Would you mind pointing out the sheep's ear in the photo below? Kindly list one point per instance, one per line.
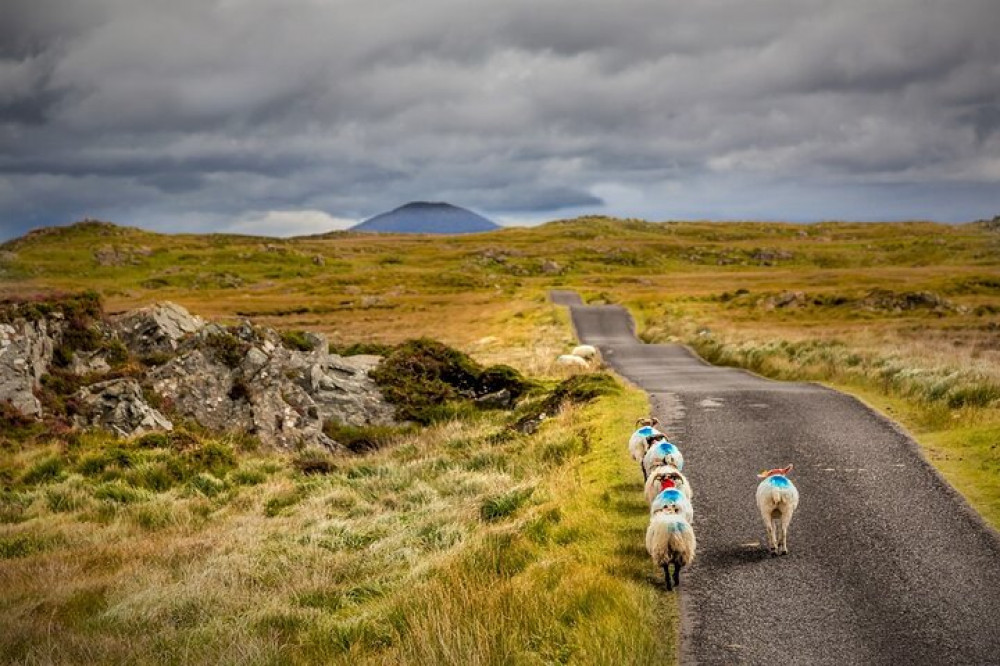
(763, 475)
(788, 469)
(655, 421)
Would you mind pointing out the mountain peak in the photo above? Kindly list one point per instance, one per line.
(428, 217)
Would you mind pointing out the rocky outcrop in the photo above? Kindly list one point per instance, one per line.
(282, 395)
(225, 378)
(118, 405)
(159, 328)
(26, 349)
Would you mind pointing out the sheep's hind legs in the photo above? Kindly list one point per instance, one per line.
(666, 576)
(677, 574)
(772, 539)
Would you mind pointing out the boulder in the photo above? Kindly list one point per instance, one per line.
(119, 405)
(159, 328)
(200, 387)
(26, 349)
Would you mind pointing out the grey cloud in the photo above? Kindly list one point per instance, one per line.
(207, 111)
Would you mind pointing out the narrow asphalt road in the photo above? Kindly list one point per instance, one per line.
(887, 563)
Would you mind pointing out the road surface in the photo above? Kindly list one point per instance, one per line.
(887, 563)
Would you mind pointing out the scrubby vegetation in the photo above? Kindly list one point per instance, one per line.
(428, 381)
(457, 543)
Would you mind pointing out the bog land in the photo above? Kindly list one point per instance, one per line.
(460, 542)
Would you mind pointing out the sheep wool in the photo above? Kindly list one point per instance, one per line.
(670, 540)
(638, 444)
(662, 453)
(659, 477)
(586, 351)
(571, 361)
(673, 500)
(777, 499)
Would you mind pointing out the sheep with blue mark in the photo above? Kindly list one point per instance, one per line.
(661, 452)
(777, 499)
(638, 443)
(670, 540)
(670, 495)
(660, 479)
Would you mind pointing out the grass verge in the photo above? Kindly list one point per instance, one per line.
(462, 543)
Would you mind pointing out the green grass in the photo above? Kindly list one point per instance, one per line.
(464, 542)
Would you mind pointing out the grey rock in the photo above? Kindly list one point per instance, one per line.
(119, 405)
(159, 328)
(88, 362)
(25, 353)
(501, 399)
(199, 387)
(550, 267)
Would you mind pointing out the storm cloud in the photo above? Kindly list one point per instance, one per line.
(284, 117)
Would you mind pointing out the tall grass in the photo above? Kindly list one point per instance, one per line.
(462, 543)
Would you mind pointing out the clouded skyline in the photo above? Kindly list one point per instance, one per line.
(300, 116)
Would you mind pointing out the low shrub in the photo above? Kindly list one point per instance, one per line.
(421, 376)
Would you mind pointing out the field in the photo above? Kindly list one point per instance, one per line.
(462, 543)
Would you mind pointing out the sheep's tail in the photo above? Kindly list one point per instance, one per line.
(776, 495)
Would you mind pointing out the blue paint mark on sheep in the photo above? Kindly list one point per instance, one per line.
(677, 526)
(646, 431)
(779, 481)
(669, 496)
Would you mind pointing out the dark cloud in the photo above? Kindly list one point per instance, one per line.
(236, 113)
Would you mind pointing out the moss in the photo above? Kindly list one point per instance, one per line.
(297, 340)
(359, 348)
(227, 349)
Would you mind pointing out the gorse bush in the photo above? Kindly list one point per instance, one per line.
(421, 376)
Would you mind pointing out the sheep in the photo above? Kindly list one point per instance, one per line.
(777, 498)
(670, 540)
(637, 443)
(588, 352)
(658, 478)
(571, 361)
(661, 452)
(670, 495)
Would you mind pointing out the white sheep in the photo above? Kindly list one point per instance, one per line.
(571, 361)
(659, 478)
(670, 540)
(673, 499)
(638, 443)
(589, 352)
(661, 452)
(777, 498)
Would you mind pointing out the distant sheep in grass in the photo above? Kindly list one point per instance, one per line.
(571, 361)
(638, 443)
(670, 540)
(777, 498)
(673, 500)
(589, 352)
(661, 452)
(658, 478)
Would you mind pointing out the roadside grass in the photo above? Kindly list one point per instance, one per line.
(463, 542)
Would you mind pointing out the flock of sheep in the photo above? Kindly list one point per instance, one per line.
(670, 538)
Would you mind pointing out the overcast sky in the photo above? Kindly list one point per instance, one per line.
(303, 115)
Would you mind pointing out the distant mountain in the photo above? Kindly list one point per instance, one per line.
(424, 217)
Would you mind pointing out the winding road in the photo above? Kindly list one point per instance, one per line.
(887, 563)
